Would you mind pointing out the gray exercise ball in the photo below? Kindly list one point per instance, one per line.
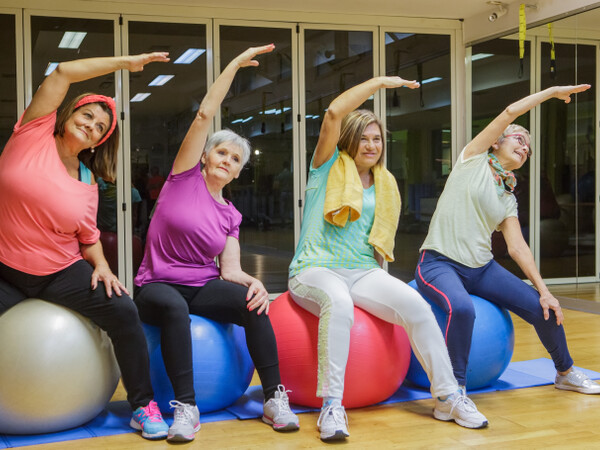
(57, 369)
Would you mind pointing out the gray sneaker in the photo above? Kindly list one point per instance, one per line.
(186, 422)
(461, 409)
(576, 381)
(277, 412)
(333, 423)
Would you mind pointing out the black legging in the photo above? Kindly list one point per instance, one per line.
(169, 306)
(117, 316)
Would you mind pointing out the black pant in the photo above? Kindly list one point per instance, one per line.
(117, 316)
(168, 306)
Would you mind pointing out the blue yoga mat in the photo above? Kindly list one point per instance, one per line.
(115, 418)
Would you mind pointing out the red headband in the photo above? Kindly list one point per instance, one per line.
(111, 104)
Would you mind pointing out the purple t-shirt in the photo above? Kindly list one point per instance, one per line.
(188, 230)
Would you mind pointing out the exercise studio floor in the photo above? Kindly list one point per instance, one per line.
(538, 417)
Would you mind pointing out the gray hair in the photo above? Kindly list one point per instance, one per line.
(227, 135)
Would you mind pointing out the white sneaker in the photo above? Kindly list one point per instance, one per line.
(576, 381)
(461, 409)
(277, 412)
(186, 422)
(333, 423)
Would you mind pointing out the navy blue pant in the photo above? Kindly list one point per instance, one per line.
(448, 284)
(117, 316)
(168, 306)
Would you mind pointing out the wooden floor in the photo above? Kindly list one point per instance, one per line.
(541, 417)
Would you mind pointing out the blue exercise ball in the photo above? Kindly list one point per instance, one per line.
(223, 368)
(492, 344)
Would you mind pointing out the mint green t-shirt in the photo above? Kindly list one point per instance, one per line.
(324, 245)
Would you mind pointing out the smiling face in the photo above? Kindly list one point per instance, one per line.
(513, 148)
(370, 148)
(87, 125)
(222, 163)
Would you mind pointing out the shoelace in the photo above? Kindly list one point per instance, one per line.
(182, 411)
(465, 401)
(152, 412)
(337, 412)
(283, 400)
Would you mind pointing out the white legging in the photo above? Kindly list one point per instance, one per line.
(331, 294)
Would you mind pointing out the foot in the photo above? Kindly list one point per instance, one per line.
(461, 409)
(576, 381)
(149, 421)
(186, 422)
(333, 423)
(277, 412)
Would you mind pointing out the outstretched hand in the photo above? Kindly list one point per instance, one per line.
(564, 92)
(246, 58)
(136, 63)
(395, 82)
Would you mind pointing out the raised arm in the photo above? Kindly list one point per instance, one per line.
(193, 144)
(344, 104)
(483, 141)
(54, 88)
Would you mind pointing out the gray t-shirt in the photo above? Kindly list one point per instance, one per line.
(467, 213)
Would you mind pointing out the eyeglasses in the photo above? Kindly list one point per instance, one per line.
(521, 141)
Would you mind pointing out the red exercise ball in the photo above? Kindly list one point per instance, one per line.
(377, 364)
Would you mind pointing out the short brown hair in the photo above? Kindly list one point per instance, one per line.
(103, 161)
(353, 127)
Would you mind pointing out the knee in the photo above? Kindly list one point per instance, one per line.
(463, 312)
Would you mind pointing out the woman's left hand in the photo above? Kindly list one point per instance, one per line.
(257, 297)
(111, 283)
(549, 302)
(136, 63)
(247, 58)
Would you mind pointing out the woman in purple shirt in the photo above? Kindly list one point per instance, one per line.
(192, 226)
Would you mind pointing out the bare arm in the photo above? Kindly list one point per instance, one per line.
(54, 88)
(343, 105)
(193, 144)
(482, 142)
(94, 254)
(519, 251)
(231, 270)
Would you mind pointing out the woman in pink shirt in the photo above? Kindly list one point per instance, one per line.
(49, 246)
(191, 227)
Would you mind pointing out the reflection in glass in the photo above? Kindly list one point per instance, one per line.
(259, 107)
(496, 84)
(160, 121)
(8, 74)
(568, 179)
(335, 60)
(419, 136)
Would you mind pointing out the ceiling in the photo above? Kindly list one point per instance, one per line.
(449, 9)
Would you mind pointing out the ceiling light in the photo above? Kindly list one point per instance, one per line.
(431, 80)
(50, 68)
(160, 80)
(140, 97)
(189, 56)
(72, 39)
(479, 56)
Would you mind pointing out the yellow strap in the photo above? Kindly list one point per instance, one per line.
(552, 53)
(522, 30)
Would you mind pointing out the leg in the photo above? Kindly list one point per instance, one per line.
(501, 287)
(162, 305)
(438, 280)
(388, 298)
(323, 293)
(9, 295)
(226, 302)
(117, 316)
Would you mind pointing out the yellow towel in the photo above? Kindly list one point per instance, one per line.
(343, 202)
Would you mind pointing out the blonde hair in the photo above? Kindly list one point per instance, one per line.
(353, 127)
(103, 160)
